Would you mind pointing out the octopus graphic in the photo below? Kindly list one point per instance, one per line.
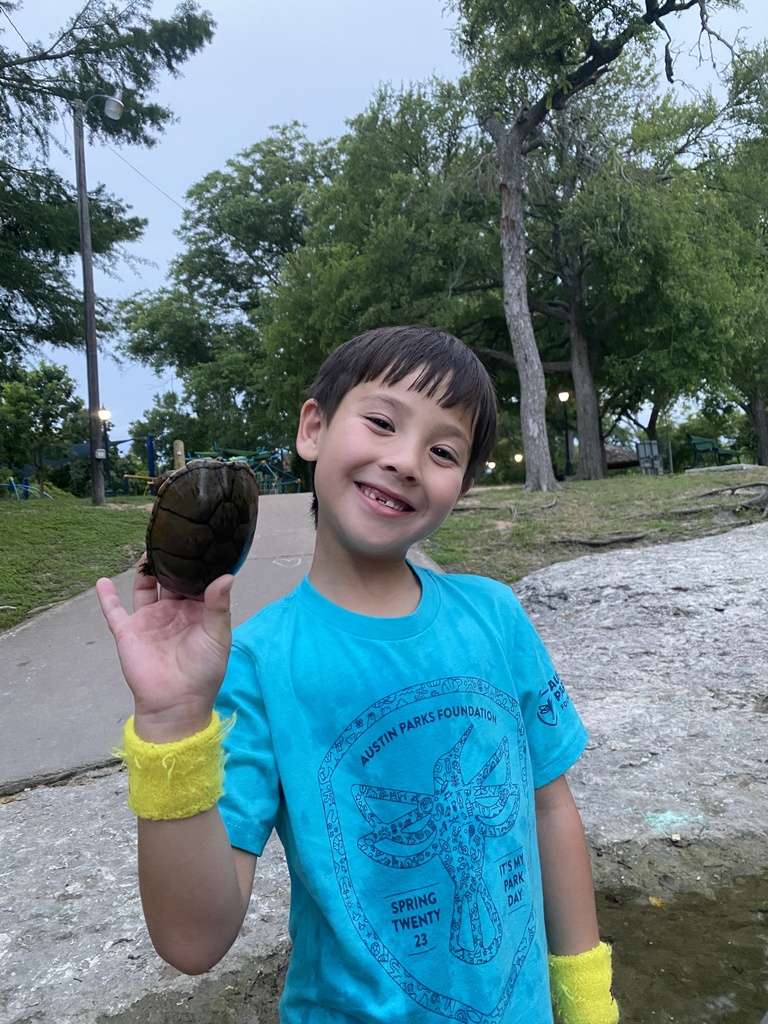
(453, 824)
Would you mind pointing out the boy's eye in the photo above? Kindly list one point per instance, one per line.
(444, 453)
(380, 422)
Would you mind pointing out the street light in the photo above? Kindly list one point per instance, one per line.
(102, 452)
(113, 108)
(564, 396)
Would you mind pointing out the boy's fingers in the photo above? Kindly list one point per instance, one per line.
(111, 608)
(216, 609)
(144, 587)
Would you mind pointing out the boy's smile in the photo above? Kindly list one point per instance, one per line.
(389, 466)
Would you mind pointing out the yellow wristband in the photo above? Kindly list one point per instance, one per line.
(167, 781)
(581, 987)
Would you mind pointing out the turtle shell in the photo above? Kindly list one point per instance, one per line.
(202, 524)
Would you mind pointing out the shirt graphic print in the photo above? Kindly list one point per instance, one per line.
(427, 802)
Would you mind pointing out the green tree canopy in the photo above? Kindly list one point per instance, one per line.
(206, 324)
(103, 47)
(403, 233)
(34, 409)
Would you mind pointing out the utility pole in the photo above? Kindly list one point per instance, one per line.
(89, 303)
(113, 108)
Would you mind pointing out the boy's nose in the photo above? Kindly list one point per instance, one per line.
(404, 462)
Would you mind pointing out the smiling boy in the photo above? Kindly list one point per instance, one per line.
(404, 732)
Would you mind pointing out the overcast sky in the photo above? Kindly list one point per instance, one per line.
(315, 61)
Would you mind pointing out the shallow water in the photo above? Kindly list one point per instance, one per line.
(687, 958)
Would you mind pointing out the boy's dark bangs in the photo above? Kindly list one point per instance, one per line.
(437, 377)
(447, 365)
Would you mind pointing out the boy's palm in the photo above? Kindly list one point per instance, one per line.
(173, 650)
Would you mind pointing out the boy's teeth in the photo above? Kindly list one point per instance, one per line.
(384, 501)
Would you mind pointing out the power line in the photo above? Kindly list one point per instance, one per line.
(21, 37)
(142, 175)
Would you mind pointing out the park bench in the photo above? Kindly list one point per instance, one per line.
(704, 445)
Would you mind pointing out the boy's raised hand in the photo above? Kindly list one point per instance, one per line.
(173, 651)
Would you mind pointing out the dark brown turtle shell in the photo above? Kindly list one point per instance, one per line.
(202, 524)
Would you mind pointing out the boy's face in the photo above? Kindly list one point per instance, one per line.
(389, 467)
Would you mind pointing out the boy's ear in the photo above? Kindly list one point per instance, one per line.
(311, 421)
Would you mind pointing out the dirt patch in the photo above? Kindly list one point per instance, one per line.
(667, 866)
(247, 996)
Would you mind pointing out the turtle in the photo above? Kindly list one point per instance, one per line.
(202, 524)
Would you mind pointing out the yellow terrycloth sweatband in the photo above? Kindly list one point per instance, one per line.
(581, 987)
(167, 781)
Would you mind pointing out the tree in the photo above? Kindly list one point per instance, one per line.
(239, 224)
(38, 241)
(34, 409)
(528, 60)
(600, 194)
(402, 232)
(206, 324)
(739, 178)
(104, 46)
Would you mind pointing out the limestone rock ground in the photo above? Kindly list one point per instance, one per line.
(663, 649)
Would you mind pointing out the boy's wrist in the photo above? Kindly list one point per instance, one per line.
(175, 779)
(581, 987)
(172, 724)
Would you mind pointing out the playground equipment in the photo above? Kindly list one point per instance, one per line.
(270, 467)
(22, 491)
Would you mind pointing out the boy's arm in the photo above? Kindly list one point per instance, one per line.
(569, 900)
(580, 965)
(194, 889)
(174, 653)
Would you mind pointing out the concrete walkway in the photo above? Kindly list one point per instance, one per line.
(62, 694)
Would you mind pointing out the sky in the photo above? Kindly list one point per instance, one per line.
(315, 61)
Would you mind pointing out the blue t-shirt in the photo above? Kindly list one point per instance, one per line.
(397, 759)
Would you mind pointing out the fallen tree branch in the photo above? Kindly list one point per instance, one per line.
(604, 542)
(694, 510)
(486, 508)
(733, 490)
(760, 501)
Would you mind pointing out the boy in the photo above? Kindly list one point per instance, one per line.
(406, 735)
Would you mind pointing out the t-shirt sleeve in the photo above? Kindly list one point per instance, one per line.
(555, 733)
(251, 785)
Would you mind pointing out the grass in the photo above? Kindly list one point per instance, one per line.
(52, 550)
(507, 533)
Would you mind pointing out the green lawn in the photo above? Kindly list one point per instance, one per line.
(507, 533)
(55, 549)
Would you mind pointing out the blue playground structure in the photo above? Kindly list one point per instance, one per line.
(22, 491)
(270, 467)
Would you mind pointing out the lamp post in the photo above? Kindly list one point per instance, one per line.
(564, 396)
(104, 415)
(113, 107)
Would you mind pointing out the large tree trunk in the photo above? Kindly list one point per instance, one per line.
(758, 417)
(592, 463)
(539, 474)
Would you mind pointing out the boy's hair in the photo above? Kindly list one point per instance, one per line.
(448, 367)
